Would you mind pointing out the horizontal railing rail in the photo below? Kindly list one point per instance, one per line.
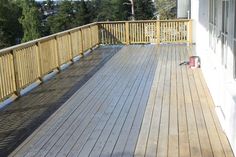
(148, 31)
(23, 64)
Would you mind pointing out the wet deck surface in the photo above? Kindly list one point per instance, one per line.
(140, 103)
(22, 117)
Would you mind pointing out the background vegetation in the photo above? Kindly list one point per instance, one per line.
(24, 20)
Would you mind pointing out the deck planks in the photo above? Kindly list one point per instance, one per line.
(141, 103)
(19, 119)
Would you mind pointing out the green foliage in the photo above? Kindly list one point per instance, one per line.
(82, 16)
(106, 10)
(49, 5)
(111, 10)
(30, 20)
(164, 8)
(26, 17)
(64, 19)
(122, 10)
(144, 9)
(10, 28)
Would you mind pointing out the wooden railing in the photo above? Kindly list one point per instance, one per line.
(24, 64)
(132, 32)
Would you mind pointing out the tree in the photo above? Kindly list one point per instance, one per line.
(64, 19)
(165, 9)
(10, 28)
(82, 14)
(144, 9)
(49, 5)
(122, 10)
(30, 20)
(105, 10)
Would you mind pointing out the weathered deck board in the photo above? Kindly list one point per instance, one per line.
(141, 103)
(22, 117)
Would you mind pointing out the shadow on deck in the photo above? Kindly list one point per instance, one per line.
(22, 117)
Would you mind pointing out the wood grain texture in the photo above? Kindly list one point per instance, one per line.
(22, 117)
(141, 103)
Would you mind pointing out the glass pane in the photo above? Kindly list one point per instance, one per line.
(214, 11)
(225, 16)
(211, 11)
(235, 19)
(235, 59)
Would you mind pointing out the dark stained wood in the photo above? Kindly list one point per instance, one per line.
(22, 117)
(141, 103)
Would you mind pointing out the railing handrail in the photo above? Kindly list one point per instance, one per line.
(23, 64)
(140, 21)
(32, 42)
(18, 46)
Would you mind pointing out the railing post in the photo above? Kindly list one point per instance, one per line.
(39, 59)
(16, 74)
(98, 34)
(58, 53)
(158, 25)
(190, 31)
(127, 33)
(81, 41)
(71, 47)
(91, 36)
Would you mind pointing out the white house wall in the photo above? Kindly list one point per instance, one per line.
(219, 76)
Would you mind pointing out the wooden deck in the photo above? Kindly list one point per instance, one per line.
(141, 103)
(19, 119)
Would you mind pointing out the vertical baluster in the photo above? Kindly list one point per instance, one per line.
(190, 32)
(127, 33)
(158, 31)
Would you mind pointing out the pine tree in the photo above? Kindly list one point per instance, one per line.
(64, 19)
(122, 10)
(144, 9)
(82, 15)
(103, 10)
(10, 28)
(106, 10)
(164, 9)
(30, 20)
(49, 5)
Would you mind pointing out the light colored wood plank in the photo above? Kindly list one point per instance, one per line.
(205, 144)
(114, 134)
(214, 137)
(162, 149)
(144, 75)
(140, 103)
(74, 120)
(195, 149)
(97, 128)
(184, 148)
(152, 116)
(173, 146)
(106, 73)
(224, 141)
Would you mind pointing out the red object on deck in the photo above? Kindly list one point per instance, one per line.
(194, 62)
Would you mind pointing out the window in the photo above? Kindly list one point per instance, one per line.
(234, 40)
(225, 16)
(234, 20)
(213, 24)
(211, 11)
(215, 12)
